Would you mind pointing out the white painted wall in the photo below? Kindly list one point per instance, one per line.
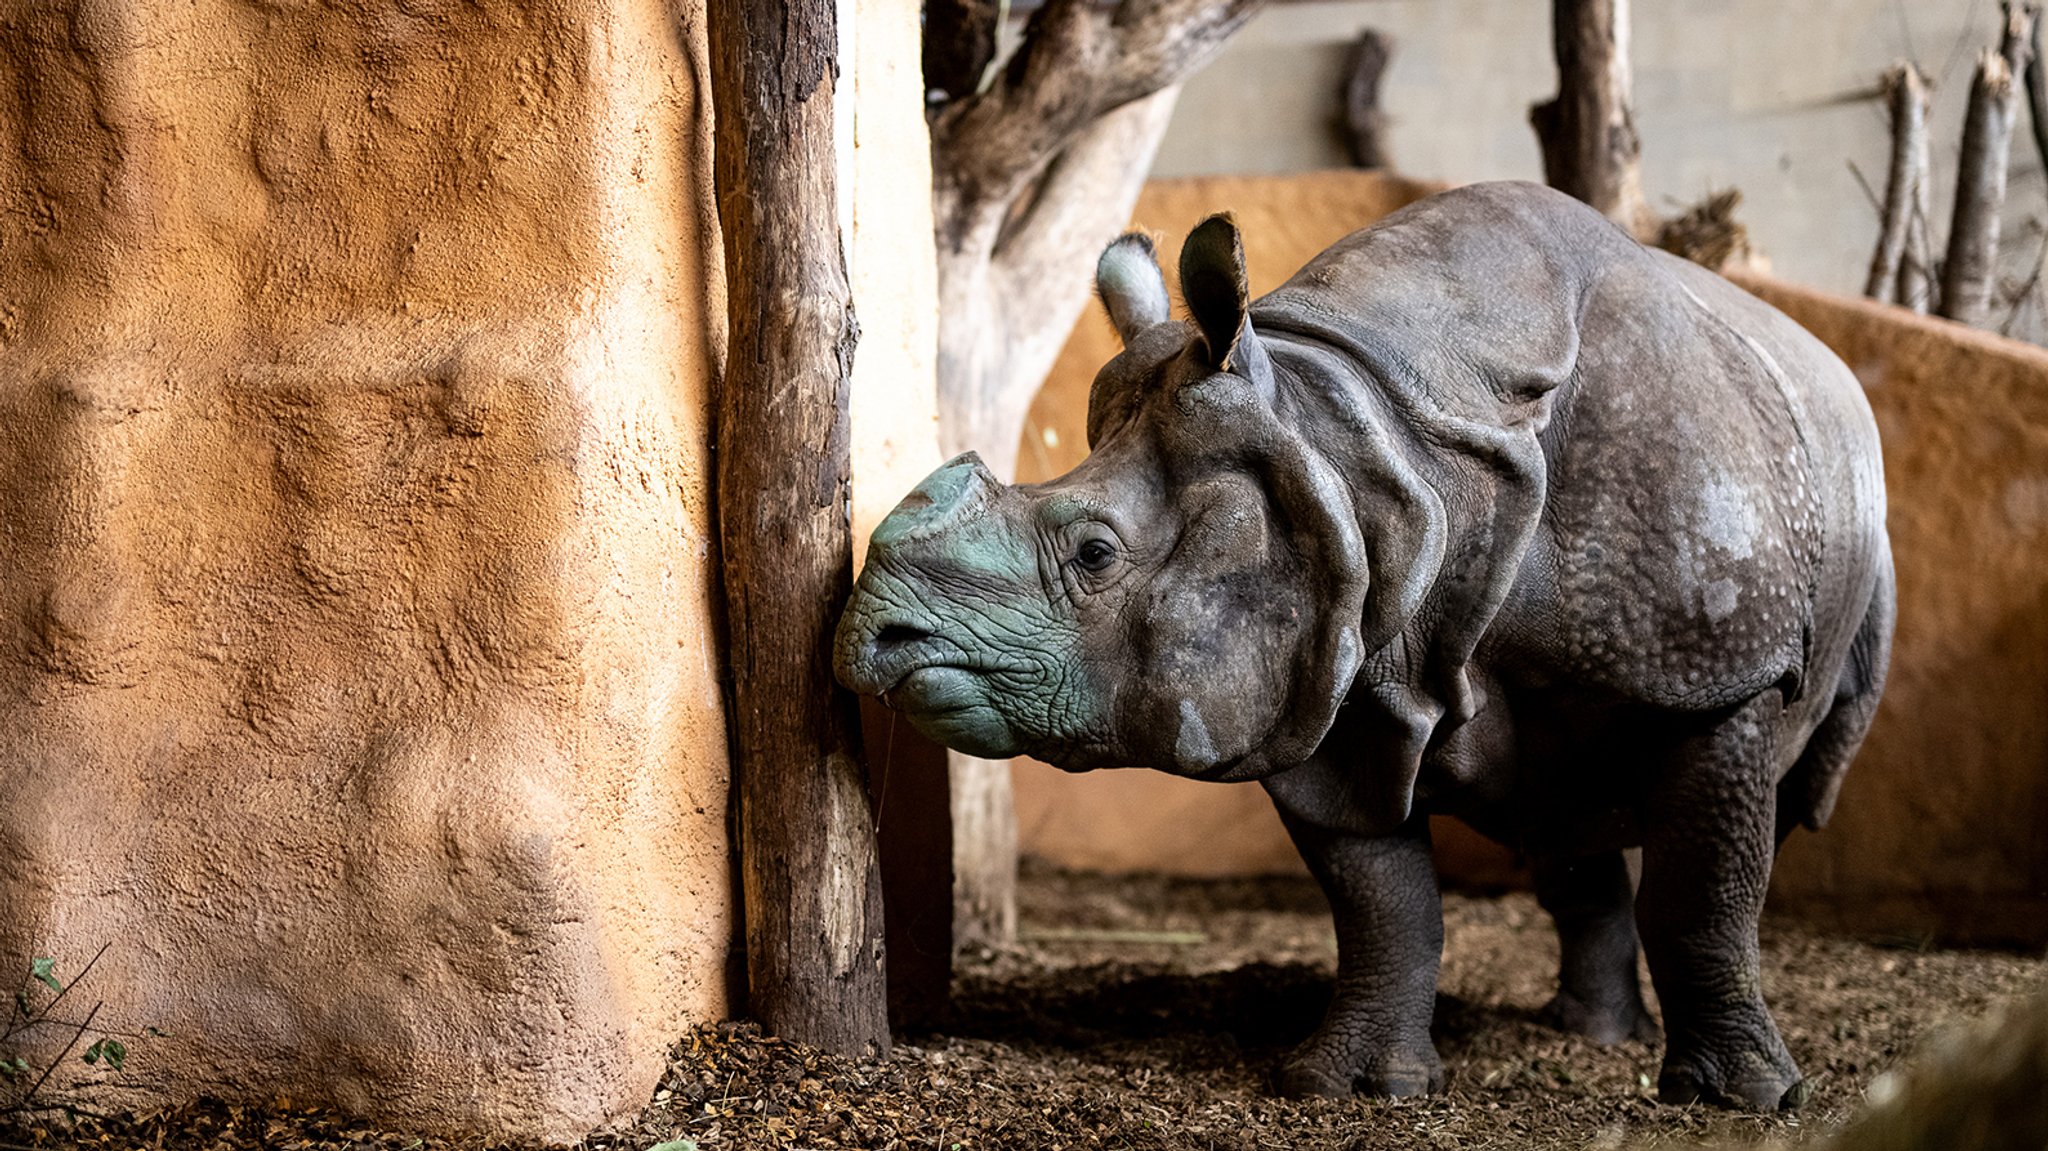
(1748, 93)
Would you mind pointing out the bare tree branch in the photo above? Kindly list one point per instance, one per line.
(1078, 61)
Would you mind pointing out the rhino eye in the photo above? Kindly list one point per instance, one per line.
(1095, 555)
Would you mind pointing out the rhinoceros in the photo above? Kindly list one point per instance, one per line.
(1488, 511)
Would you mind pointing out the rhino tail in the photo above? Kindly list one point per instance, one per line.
(1807, 793)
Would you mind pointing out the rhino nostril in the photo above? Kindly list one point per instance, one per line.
(898, 635)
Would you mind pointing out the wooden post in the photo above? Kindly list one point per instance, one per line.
(1588, 132)
(1361, 121)
(1906, 93)
(1969, 273)
(811, 882)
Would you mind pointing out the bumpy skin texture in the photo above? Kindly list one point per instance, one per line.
(1488, 511)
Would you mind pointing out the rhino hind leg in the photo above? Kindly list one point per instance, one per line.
(1706, 862)
(1806, 796)
(1374, 1040)
(1592, 901)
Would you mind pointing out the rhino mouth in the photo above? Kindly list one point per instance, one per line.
(888, 658)
(936, 689)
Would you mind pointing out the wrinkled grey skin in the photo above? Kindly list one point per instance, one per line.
(1489, 511)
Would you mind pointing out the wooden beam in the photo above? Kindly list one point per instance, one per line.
(811, 882)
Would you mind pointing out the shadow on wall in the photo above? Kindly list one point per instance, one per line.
(1937, 831)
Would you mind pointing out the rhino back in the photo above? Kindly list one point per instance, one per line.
(1674, 490)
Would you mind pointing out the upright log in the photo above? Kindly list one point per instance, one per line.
(1968, 274)
(810, 878)
(1906, 95)
(1588, 131)
(1362, 123)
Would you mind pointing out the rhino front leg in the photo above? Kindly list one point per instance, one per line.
(1592, 902)
(1706, 862)
(1390, 938)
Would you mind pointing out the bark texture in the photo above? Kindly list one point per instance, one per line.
(2037, 88)
(1906, 96)
(1363, 124)
(1588, 131)
(1033, 175)
(1034, 172)
(810, 876)
(1969, 273)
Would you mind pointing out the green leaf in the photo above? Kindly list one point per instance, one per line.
(45, 970)
(13, 1067)
(92, 1054)
(115, 1051)
(674, 1145)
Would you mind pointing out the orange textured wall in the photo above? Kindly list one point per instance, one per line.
(1939, 828)
(358, 676)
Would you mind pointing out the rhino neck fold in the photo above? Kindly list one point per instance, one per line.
(1403, 427)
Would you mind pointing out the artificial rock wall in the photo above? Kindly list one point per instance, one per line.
(358, 673)
(1938, 830)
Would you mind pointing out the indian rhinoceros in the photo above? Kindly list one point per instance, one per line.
(1488, 511)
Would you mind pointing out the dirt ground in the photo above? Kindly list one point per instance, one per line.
(1149, 1013)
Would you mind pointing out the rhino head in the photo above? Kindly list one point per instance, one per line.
(1192, 597)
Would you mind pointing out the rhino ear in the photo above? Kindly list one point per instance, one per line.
(1213, 282)
(1133, 289)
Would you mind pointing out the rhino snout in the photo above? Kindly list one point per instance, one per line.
(876, 649)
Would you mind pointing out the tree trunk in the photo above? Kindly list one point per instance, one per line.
(1001, 326)
(1906, 93)
(811, 884)
(1588, 132)
(1009, 296)
(1969, 273)
(1033, 173)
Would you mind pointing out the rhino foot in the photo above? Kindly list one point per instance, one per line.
(1605, 1024)
(1775, 1090)
(1306, 1074)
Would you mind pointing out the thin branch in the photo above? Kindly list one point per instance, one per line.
(76, 980)
(1869, 193)
(61, 1056)
(2027, 290)
(2037, 94)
